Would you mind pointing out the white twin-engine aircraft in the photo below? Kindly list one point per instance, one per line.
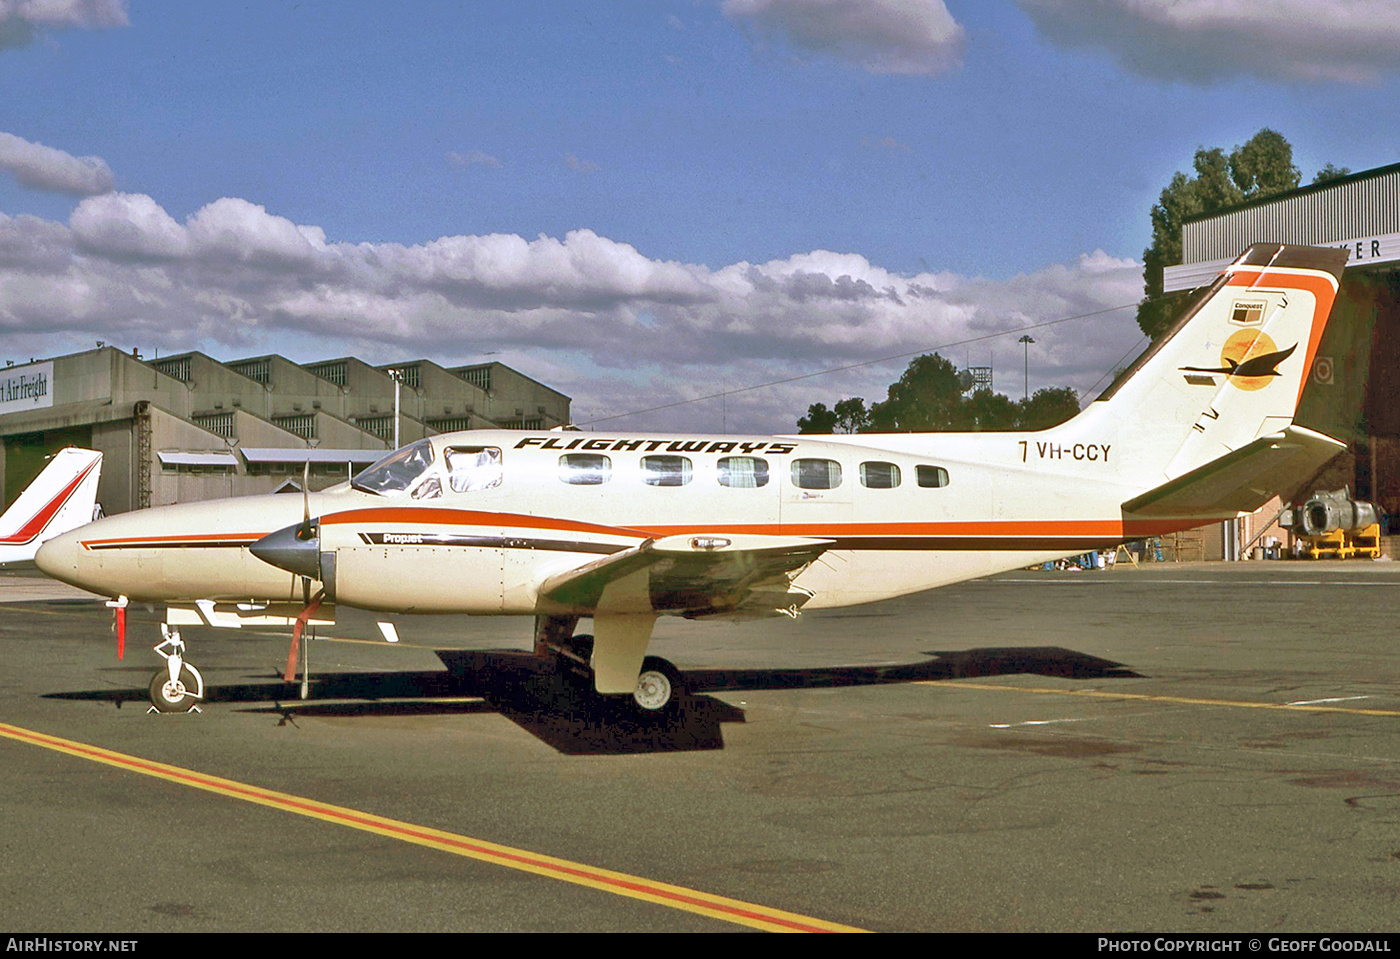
(625, 527)
(62, 497)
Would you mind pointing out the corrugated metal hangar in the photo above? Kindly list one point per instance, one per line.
(188, 427)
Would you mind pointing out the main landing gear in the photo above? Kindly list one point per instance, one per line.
(178, 687)
(659, 686)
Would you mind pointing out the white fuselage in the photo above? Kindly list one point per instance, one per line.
(906, 512)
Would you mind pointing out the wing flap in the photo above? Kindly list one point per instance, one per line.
(1240, 481)
(691, 575)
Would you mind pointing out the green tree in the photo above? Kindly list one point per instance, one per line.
(929, 397)
(819, 419)
(1330, 172)
(1046, 408)
(1262, 166)
(985, 410)
(851, 415)
(926, 397)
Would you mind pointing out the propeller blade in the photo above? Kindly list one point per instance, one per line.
(290, 673)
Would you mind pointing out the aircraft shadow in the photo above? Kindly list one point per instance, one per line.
(556, 705)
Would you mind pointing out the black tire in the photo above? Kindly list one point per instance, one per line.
(659, 687)
(173, 700)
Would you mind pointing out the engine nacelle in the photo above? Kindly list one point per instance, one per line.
(1327, 512)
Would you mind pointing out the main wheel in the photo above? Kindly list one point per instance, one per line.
(176, 697)
(658, 686)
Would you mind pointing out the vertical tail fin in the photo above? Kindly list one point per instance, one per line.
(62, 497)
(1230, 370)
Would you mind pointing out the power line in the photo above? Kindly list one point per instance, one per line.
(856, 366)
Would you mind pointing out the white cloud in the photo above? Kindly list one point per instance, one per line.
(125, 225)
(244, 231)
(636, 331)
(1202, 41)
(880, 36)
(21, 20)
(45, 168)
(472, 158)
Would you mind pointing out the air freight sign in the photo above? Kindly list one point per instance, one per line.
(26, 388)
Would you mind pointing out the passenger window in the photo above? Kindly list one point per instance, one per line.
(743, 472)
(931, 476)
(585, 469)
(879, 475)
(471, 468)
(666, 470)
(816, 474)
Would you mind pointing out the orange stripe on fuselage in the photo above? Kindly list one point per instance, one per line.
(194, 538)
(436, 516)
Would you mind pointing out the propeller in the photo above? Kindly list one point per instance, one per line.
(304, 533)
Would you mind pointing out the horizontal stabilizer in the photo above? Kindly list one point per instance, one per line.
(1243, 480)
(692, 575)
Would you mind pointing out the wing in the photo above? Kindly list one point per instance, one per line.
(690, 575)
(1243, 480)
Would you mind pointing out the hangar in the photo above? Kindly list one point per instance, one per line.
(1361, 213)
(188, 427)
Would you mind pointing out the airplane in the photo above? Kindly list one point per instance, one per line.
(62, 497)
(624, 527)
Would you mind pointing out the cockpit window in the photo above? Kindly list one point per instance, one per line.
(430, 488)
(471, 468)
(397, 471)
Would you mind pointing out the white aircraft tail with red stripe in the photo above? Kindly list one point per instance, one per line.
(1229, 372)
(61, 498)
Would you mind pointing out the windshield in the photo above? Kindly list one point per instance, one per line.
(397, 471)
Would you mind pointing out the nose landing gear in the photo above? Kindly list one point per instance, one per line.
(176, 688)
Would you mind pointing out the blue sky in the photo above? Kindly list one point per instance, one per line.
(640, 202)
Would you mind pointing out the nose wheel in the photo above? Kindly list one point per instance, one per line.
(177, 687)
(175, 695)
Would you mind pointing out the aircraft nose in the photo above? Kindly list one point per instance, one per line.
(297, 549)
(58, 558)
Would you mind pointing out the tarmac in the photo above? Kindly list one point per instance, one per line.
(1186, 748)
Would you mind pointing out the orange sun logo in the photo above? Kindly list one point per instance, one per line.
(1246, 345)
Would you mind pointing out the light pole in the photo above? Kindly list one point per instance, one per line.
(397, 377)
(1026, 342)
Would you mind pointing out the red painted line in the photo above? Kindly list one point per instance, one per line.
(547, 866)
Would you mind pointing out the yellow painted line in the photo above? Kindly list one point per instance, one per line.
(1143, 697)
(617, 883)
